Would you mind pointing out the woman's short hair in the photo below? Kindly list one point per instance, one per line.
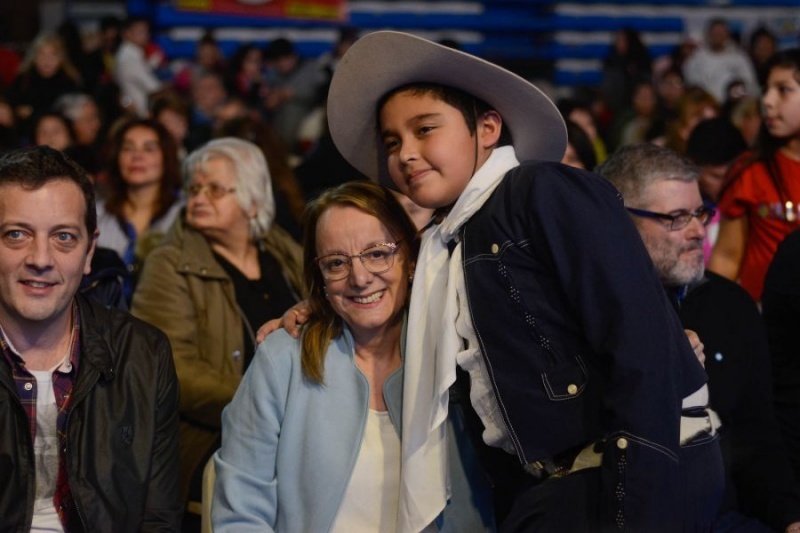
(324, 324)
(250, 171)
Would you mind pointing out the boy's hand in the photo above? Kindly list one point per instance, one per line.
(296, 316)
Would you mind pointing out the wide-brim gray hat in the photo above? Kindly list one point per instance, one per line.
(385, 60)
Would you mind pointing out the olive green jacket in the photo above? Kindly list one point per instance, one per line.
(186, 293)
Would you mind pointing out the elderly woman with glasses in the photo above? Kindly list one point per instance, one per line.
(222, 269)
(311, 441)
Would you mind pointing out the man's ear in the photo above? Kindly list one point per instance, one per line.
(87, 266)
(490, 125)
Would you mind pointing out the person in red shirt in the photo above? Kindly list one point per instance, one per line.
(760, 202)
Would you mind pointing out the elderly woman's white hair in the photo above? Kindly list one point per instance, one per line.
(250, 173)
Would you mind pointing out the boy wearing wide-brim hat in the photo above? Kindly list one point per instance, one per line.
(533, 281)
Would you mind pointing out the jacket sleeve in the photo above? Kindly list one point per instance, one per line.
(162, 298)
(163, 506)
(246, 488)
(611, 290)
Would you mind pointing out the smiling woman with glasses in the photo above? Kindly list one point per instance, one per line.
(311, 441)
(224, 269)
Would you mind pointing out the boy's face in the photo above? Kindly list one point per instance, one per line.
(431, 153)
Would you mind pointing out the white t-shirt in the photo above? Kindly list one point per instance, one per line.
(45, 447)
(373, 492)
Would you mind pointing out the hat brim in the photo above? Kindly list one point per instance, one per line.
(385, 60)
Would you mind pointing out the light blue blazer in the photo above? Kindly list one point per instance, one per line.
(289, 446)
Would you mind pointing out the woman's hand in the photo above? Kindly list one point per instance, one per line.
(697, 346)
(296, 316)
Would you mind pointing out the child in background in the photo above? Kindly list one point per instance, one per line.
(760, 200)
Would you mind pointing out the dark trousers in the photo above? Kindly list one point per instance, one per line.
(565, 504)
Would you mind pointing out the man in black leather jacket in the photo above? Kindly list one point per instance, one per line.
(88, 394)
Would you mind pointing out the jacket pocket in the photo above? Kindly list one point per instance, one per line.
(566, 380)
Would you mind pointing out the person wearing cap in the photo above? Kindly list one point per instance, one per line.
(533, 297)
(713, 145)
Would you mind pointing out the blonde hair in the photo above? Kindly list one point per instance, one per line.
(54, 40)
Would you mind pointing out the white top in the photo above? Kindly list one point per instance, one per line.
(370, 500)
(113, 236)
(714, 70)
(135, 76)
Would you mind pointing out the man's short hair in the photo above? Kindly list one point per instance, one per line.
(33, 168)
(634, 168)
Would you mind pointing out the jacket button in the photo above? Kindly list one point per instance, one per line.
(28, 386)
(204, 271)
(495, 248)
(572, 389)
(237, 354)
(622, 443)
(186, 267)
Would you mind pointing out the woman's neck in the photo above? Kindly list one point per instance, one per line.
(239, 251)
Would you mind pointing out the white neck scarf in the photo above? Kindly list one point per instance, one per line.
(430, 356)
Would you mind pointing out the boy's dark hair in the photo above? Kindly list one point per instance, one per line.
(33, 168)
(470, 107)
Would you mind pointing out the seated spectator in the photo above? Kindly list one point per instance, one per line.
(642, 122)
(208, 94)
(695, 105)
(580, 152)
(223, 270)
(53, 130)
(245, 79)
(746, 116)
(661, 192)
(713, 145)
(45, 74)
(294, 89)
(311, 440)
(84, 118)
(169, 110)
(208, 58)
(627, 64)
(581, 114)
(143, 198)
(719, 61)
(763, 44)
(9, 139)
(134, 75)
(89, 417)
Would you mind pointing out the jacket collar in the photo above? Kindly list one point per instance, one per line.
(95, 333)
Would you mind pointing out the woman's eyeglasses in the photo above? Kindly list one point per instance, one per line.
(213, 190)
(376, 259)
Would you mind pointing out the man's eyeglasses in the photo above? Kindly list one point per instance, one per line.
(214, 190)
(376, 259)
(679, 221)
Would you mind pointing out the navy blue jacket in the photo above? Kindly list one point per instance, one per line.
(579, 337)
